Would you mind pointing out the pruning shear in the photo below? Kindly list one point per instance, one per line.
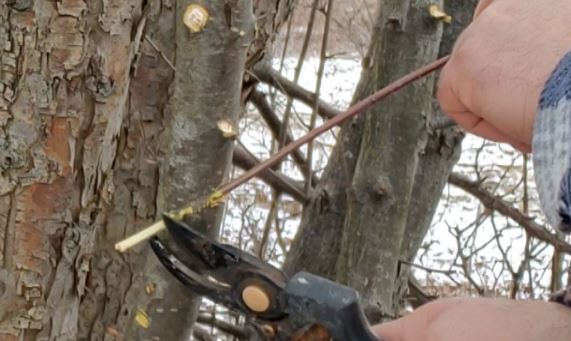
(304, 307)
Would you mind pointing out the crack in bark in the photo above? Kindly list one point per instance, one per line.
(9, 233)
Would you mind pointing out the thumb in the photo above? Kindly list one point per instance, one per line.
(416, 325)
(413, 326)
(391, 331)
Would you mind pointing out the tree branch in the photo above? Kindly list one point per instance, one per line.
(417, 296)
(320, 71)
(495, 203)
(273, 78)
(245, 160)
(259, 100)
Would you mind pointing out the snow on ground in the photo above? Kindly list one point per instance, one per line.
(458, 212)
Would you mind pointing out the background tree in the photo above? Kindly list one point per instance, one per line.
(364, 214)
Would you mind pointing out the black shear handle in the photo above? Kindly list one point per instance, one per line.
(316, 301)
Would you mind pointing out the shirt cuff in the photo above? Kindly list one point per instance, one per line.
(551, 146)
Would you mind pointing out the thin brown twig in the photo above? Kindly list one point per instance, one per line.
(353, 111)
(297, 72)
(166, 59)
(268, 225)
(245, 160)
(320, 71)
(284, 54)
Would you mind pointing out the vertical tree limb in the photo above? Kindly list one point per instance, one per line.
(207, 88)
(297, 73)
(438, 156)
(320, 70)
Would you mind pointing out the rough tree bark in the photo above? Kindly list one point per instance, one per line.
(382, 188)
(84, 88)
(72, 138)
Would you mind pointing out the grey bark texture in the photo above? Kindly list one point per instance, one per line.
(85, 122)
(207, 88)
(439, 156)
(385, 176)
(393, 136)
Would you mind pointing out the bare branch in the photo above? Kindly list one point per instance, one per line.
(273, 78)
(495, 203)
(268, 225)
(417, 296)
(202, 334)
(321, 69)
(429, 270)
(259, 100)
(297, 73)
(353, 111)
(245, 160)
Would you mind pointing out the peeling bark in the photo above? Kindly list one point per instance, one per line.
(65, 78)
(85, 123)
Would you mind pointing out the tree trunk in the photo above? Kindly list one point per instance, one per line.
(419, 165)
(71, 137)
(439, 156)
(207, 85)
(394, 133)
(84, 126)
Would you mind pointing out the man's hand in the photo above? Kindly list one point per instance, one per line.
(481, 320)
(492, 83)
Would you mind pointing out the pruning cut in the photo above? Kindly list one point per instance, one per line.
(195, 17)
(439, 14)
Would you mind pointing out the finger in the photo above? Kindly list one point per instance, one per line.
(413, 326)
(482, 5)
(390, 331)
(449, 100)
(459, 111)
(487, 131)
(480, 127)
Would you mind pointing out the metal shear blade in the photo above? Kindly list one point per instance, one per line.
(217, 271)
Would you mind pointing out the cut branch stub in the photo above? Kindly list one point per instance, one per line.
(195, 17)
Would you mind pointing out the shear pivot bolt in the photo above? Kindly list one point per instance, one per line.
(256, 299)
(269, 330)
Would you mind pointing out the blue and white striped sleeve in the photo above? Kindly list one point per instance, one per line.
(552, 147)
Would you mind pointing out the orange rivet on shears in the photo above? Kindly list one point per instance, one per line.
(256, 299)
